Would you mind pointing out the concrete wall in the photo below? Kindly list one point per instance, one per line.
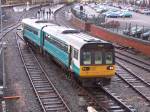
(104, 34)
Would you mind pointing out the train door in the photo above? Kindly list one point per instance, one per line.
(70, 56)
(42, 38)
(74, 59)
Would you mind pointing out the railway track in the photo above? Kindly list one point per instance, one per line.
(101, 96)
(103, 100)
(9, 28)
(138, 84)
(132, 56)
(133, 60)
(48, 96)
(110, 100)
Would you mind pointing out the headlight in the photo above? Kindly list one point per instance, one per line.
(110, 68)
(86, 68)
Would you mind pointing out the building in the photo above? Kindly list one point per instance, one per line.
(25, 1)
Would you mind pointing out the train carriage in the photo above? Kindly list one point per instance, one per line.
(90, 60)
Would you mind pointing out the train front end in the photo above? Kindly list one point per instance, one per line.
(97, 63)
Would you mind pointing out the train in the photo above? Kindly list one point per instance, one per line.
(88, 59)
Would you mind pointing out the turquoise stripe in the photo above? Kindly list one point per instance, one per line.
(76, 69)
(56, 52)
(32, 37)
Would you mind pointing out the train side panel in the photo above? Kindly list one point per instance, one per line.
(31, 35)
(56, 52)
(76, 69)
(61, 55)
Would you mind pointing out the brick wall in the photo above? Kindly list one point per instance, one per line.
(78, 23)
(143, 47)
(99, 32)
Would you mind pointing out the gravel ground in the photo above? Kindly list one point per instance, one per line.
(11, 17)
(63, 85)
(139, 71)
(127, 94)
(17, 83)
(118, 87)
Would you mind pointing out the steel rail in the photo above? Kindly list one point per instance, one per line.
(134, 58)
(103, 97)
(106, 91)
(131, 85)
(45, 105)
(20, 52)
(126, 108)
(14, 24)
(141, 94)
(145, 68)
(89, 95)
(133, 74)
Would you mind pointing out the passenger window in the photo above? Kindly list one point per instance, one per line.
(109, 58)
(75, 54)
(86, 58)
(98, 58)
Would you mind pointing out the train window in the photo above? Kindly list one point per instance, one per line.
(98, 57)
(109, 57)
(58, 43)
(87, 58)
(75, 53)
(35, 32)
(31, 29)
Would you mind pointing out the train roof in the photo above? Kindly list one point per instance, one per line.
(70, 36)
(36, 23)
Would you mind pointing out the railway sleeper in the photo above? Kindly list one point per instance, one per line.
(37, 78)
(114, 107)
(54, 105)
(52, 102)
(48, 97)
(45, 91)
(60, 109)
(45, 88)
(42, 86)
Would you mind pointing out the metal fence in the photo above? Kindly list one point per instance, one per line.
(114, 26)
(85, 17)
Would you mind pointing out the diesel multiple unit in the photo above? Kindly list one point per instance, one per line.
(90, 60)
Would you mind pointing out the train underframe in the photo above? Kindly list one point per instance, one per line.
(93, 82)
